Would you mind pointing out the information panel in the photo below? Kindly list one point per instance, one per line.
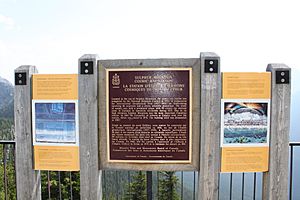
(245, 122)
(55, 122)
(149, 115)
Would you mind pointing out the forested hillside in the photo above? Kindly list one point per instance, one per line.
(7, 133)
(6, 129)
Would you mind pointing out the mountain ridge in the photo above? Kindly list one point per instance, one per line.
(6, 99)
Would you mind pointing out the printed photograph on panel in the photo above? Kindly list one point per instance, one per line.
(55, 122)
(245, 123)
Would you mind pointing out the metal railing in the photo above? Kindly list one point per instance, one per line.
(292, 145)
(8, 185)
(65, 185)
(60, 185)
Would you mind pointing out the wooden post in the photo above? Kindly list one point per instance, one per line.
(210, 126)
(28, 180)
(275, 181)
(90, 176)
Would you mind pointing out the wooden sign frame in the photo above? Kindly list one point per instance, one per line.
(192, 64)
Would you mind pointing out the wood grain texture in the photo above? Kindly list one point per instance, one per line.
(210, 130)
(150, 63)
(28, 180)
(275, 181)
(90, 176)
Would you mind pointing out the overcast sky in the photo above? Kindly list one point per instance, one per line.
(53, 34)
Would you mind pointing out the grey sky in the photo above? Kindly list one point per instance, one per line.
(53, 34)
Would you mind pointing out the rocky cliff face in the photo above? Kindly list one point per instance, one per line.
(6, 99)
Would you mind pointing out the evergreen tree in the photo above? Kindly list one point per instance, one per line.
(10, 172)
(136, 190)
(168, 184)
(6, 129)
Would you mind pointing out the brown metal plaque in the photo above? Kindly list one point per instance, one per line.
(149, 115)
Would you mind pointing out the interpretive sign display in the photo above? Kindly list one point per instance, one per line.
(55, 122)
(152, 114)
(245, 122)
(149, 115)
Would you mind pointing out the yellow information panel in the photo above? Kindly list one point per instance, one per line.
(245, 159)
(245, 122)
(56, 158)
(55, 122)
(55, 86)
(252, 85)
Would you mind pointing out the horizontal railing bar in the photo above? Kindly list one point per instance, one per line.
(294, 143)
(7, 142)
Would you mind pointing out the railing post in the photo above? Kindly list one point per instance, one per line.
(275, 181)
(4, 171)
(149, 185)
(28, 180)
(90, 176)
(210, 126)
